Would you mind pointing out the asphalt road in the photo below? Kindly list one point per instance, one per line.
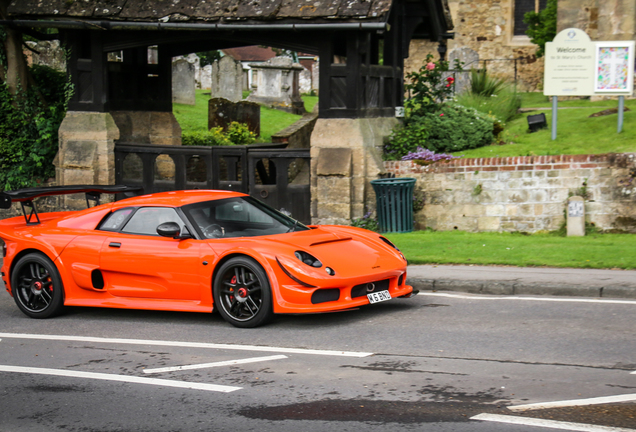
(432, 362)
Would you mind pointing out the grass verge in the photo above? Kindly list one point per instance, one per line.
(516, 249)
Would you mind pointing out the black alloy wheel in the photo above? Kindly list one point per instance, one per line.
(37, 287)
(242, 293)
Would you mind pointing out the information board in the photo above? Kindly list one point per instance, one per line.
(569, 64)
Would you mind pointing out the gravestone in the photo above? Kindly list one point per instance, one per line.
(183, 82)
(304, 81)
(277, 85)
(227, 79)
(576, 216)
(206, 77)
(222, 112)
(470, 60)
(315, 77)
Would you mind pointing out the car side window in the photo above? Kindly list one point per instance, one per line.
(147, 219)
(116, 219)
(240, 212)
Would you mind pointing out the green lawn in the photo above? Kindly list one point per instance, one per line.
(576, 132)
(459, 247)
(195, 117)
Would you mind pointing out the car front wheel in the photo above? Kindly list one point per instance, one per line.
(242, 293)
(37, 287)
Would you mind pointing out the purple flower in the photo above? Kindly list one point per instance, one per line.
(428, 155)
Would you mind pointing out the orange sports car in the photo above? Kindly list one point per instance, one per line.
(194, 250)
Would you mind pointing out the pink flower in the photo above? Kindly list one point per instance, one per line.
(441, 115)
(448, 85)
(430, 66)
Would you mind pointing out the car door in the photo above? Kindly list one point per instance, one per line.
(136, 262)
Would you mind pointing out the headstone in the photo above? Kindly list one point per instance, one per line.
(315, 77)
(153, 54)
(277, 85)
(183, 82)
(222, 112)
(576, 216)
(470, 60)
(304, 81)
(206, 77)
(227, 79)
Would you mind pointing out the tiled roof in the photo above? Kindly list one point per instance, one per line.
(203, 10)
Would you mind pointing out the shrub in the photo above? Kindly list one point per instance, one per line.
(237, 134)
(428, 156)
(213, 137)
(485, 85)
(504, 105)
(542, 26)
(456, 128)
(366, 222)
(405, 139)
(29, 129)
(427, 87)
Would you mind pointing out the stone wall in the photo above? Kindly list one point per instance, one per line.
(523, 193)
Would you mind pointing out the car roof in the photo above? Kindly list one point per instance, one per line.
(176, 198)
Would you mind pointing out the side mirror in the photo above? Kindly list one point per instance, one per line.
(171, 229)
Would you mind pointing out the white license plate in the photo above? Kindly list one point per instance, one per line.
(379, 296)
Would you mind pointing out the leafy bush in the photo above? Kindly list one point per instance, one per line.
(427, 87)
(542, 26)
(405, 139)
(29, 127)
(213, 137)
(366, 222)
(504, 105)
(237, 134)
(456, 128)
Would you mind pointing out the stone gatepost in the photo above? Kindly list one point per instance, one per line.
(86, 152)
(147, 127)
(346, 154)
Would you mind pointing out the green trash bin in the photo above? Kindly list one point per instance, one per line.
(394, 198)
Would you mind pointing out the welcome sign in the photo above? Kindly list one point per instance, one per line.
(576, 66)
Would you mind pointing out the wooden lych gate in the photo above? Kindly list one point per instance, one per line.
(279, 177)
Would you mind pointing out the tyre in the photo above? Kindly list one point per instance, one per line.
(37, 287)
(242, 293)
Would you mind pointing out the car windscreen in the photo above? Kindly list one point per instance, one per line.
(239, 217)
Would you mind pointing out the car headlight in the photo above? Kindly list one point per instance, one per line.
(308, 259)
(387, 241)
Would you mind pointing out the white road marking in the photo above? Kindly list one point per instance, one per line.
(552, 424)
(187, 344)
(519, 298)
(120, 378)
(575, 402)
(215, 364)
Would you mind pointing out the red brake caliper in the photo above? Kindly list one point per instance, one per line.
(233, 281)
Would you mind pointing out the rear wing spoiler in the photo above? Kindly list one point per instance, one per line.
(93, 193)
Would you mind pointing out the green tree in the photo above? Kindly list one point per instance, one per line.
(542, 26)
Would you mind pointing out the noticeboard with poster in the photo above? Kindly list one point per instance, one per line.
(614, 67)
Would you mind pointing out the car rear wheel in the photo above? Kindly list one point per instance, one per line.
(242, 293)
(37, 286)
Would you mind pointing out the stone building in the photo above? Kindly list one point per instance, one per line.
(495, 31)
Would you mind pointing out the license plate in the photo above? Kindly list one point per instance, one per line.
(379, 296)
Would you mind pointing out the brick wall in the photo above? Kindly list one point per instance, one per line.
(526, 193)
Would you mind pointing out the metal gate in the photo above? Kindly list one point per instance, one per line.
(268, 172)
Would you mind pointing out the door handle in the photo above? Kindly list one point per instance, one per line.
(114, 244)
